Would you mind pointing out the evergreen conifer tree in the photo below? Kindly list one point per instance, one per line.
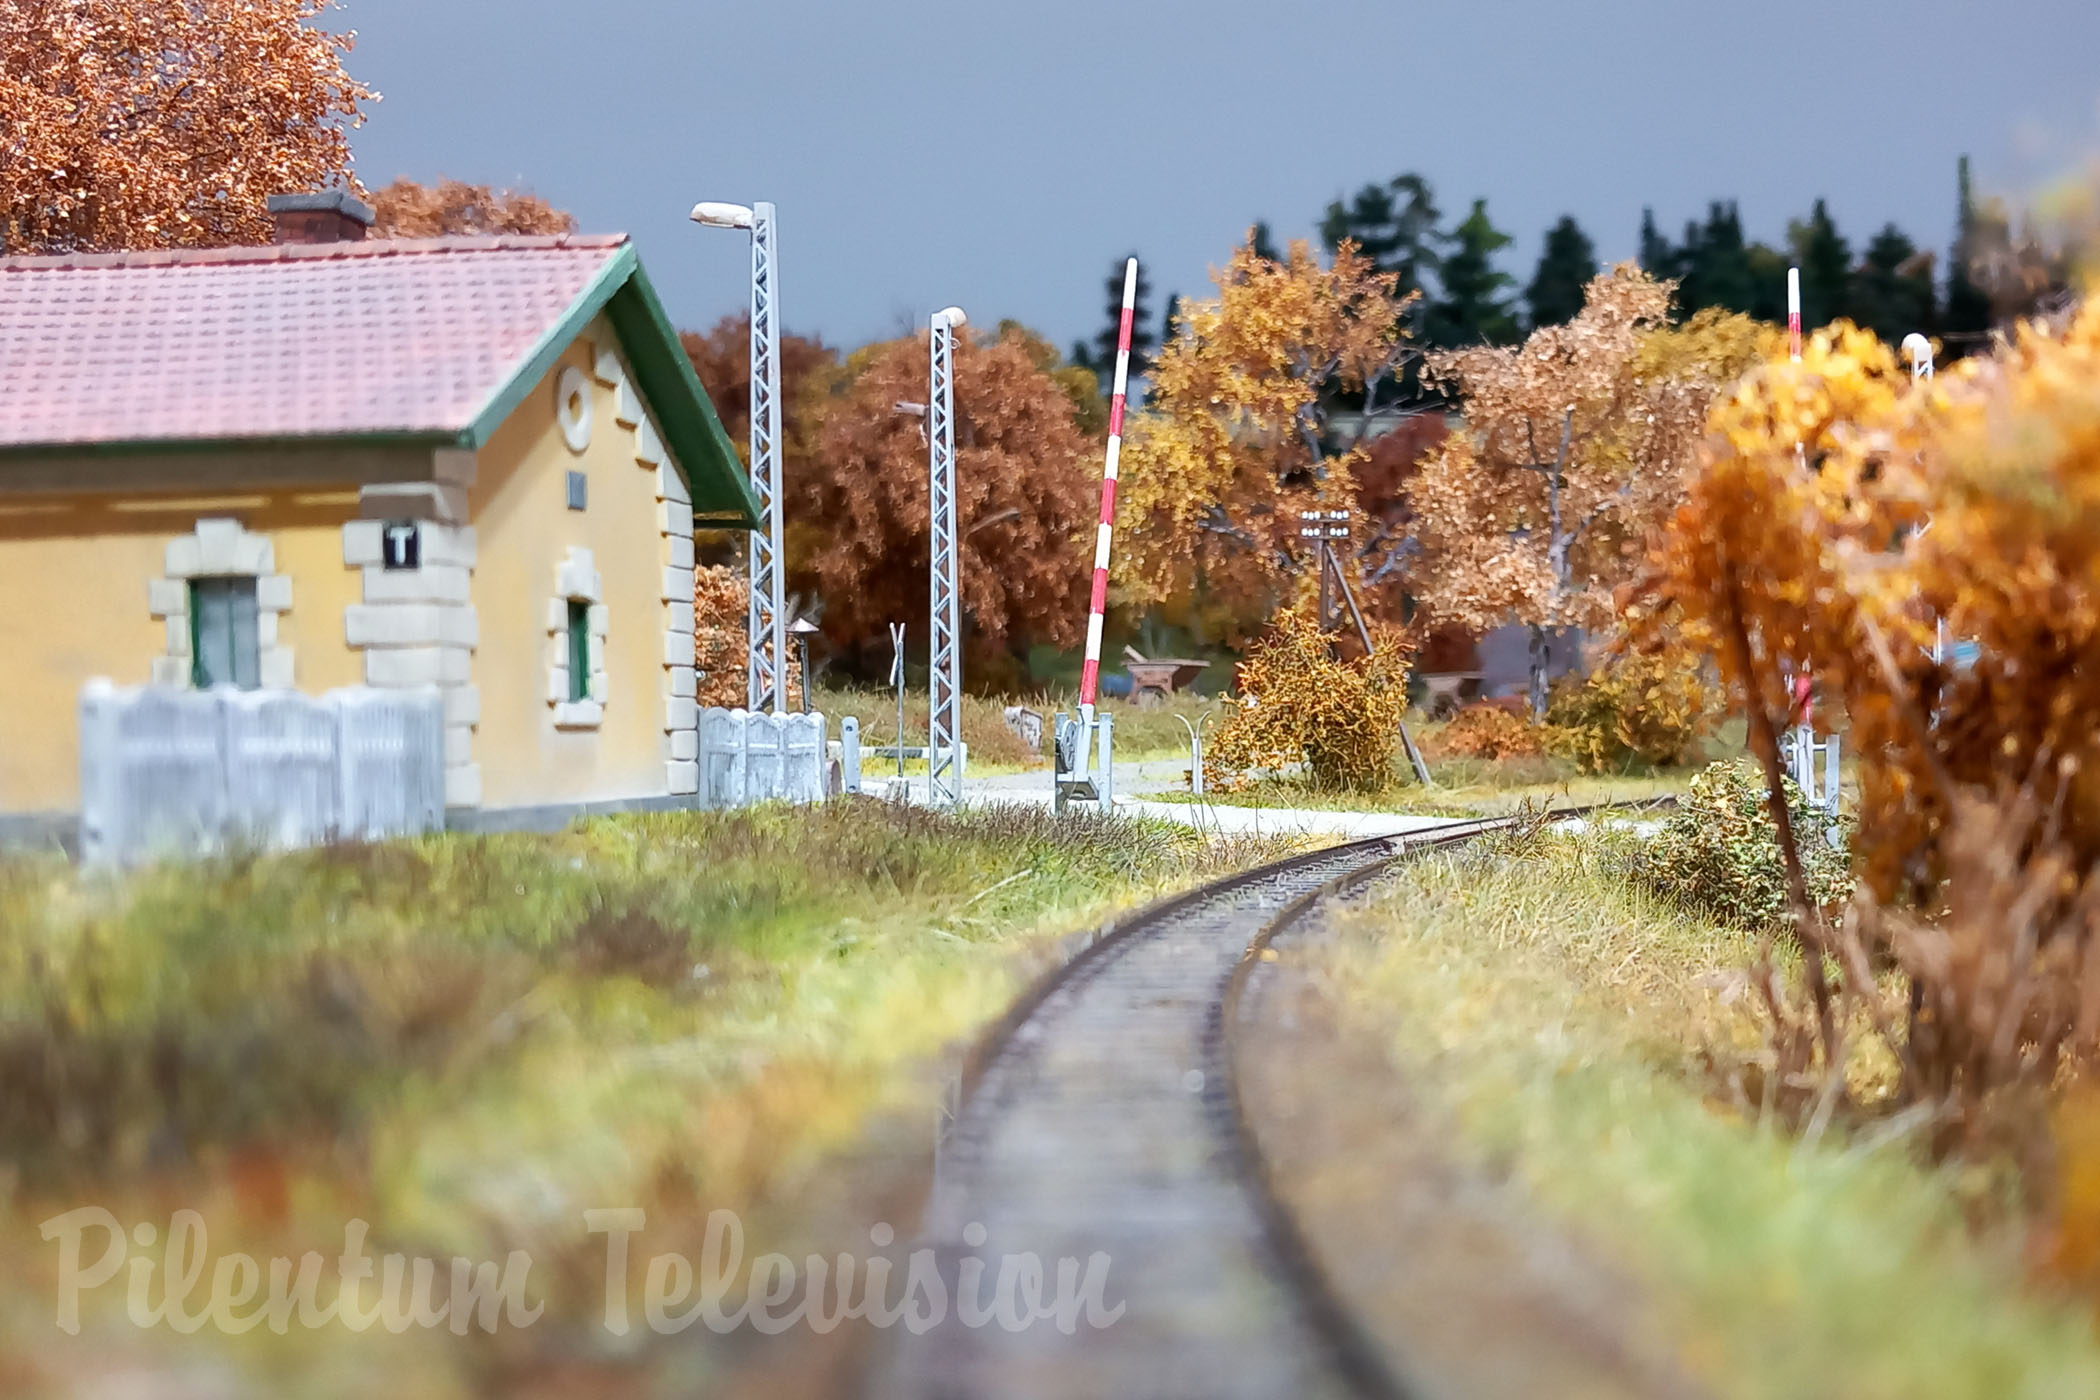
(1825, 260)
(1474, 307)
(1394, 225)
(1263, 242)
(1718, 270)
(1102, 360)
(1657, 258)
(1767, 282)
(1968, 307)
(1892, 292)
(1566, 264)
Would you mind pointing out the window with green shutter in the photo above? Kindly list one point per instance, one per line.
(579, 650)
(225, 638)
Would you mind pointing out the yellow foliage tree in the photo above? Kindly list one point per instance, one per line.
(1233, 444)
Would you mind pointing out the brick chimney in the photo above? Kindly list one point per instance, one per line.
(327, 216)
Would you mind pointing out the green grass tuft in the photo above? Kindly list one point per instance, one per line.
(1555, 1015)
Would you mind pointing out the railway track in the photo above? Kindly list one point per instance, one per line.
(1101, 1118)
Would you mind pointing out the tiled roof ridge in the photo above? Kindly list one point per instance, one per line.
(368, 248)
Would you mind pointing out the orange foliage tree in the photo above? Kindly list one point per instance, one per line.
(721, 356)
(1234, 441)
(1575, 442)
(150, 124)
(1841, 518)
(406, 209)
(809, 375)
(1026, 489)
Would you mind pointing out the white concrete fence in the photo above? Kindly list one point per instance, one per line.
(747, 758)
(174, 773)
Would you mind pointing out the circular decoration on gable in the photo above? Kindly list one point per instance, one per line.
(572, 408)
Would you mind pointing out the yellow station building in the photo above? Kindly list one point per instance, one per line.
(473, 463)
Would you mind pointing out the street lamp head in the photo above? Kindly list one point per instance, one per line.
(1917, 347)
(803, 627)
(951, 316)
(721, 215)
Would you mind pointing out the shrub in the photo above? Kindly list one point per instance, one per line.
(1637, 709)
(720, 598)
(1491, 731)
(1720, 852)
(1299, 704)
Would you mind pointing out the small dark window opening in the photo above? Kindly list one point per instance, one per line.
(225, 636)
(579, 650)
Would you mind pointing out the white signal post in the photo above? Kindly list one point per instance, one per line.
(1804, 744)
(1090, 671)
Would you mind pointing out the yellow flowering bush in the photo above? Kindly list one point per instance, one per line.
(1301, 705)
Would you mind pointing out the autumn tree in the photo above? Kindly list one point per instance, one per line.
(1235, 439)
(406, 209)
(1574, 442)
(1074, 377)
(146, 124)
(1027, 485)
(1845, 518)
(721, 356)
(809, 370)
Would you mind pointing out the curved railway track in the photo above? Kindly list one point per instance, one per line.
(1101, 1115)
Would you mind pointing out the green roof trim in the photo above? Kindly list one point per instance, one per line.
(692, 433)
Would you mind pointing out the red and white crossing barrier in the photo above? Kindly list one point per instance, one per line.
(1793, 314)
(1090, 672)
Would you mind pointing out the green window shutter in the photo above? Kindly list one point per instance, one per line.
(579, 649)
(225, 636)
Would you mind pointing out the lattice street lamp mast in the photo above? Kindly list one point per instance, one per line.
(944, 765)
(766, 621)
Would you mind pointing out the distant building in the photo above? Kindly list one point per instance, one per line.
(470, 463)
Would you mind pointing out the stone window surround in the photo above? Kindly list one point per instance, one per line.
(220, 547)
(576, 581)
(674, 520)
(418, 626)
(572, 409)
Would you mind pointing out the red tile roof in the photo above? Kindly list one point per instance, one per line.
(411, 337)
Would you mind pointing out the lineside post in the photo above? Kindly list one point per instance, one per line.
(1090, 671)
(944, 755)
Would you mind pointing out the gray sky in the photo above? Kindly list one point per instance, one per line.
(1001, 154)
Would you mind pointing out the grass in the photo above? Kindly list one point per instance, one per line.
(1141, 733)
(1474, 787)
(1554, 1017)
(468, 1041)
(1485, 794)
